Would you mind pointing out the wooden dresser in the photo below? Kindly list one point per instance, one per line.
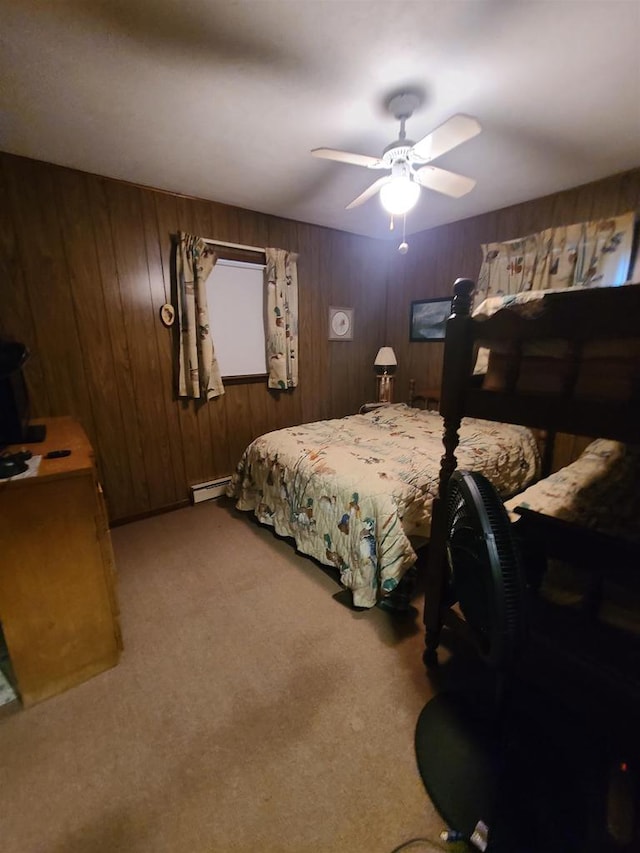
(58, 605)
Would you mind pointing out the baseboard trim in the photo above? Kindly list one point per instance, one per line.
(140, 516)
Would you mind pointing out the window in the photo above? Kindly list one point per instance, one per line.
(236, 299)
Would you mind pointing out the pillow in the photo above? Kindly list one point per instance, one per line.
(598, 490)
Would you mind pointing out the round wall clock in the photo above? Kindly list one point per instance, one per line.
(340, 324)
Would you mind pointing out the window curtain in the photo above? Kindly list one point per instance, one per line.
(587, 254)
(198, 371)
(282, 318)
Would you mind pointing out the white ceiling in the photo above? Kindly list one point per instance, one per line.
(225, 100)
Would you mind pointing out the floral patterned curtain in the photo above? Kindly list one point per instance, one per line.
(587, 254)
(282, 318)
(198, 371)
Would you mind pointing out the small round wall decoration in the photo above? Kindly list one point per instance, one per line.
(340, 324)
(167, 314)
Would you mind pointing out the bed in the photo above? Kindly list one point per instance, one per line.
(562, 362)
(356, 493)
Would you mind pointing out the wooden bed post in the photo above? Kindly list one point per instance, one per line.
(457, 368)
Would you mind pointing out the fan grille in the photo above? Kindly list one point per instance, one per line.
(485, 567)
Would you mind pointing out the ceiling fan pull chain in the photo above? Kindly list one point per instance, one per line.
(403, 248)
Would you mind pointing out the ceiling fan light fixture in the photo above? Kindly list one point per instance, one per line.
(399, 195)
(410, 162)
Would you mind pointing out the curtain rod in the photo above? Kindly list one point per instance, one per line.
(234, 246)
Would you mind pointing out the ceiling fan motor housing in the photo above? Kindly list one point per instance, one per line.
(398, 150)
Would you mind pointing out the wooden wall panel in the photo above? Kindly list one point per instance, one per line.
(124, 498)
(86, 263)
(314, 352)
(357, 276)
(146, 422)
(167, 223)
(160, 293)
(340, 352)
(238, 407)
(414, 276)
(30, 194)
(16, 312)
(373, 261)
(311, 358)
(92, 325)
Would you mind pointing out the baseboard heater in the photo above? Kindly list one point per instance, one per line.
(210, 490)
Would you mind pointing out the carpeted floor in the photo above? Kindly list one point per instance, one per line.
(251, 711)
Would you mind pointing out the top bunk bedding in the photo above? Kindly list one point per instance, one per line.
(353, 491)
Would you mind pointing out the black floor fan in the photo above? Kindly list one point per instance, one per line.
(492, 772)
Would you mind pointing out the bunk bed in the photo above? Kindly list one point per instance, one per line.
(568, 362)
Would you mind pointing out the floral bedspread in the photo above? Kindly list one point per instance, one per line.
(352, 491)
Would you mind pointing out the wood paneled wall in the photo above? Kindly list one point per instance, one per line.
(85, 267)
(84, 270)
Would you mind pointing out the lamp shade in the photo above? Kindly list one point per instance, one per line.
(385, 360)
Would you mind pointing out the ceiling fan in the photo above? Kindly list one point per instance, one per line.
(409, 163)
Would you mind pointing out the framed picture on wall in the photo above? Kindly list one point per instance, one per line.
(428, 319)
(340, 323)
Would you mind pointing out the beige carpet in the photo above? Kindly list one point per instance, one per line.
(251, 711)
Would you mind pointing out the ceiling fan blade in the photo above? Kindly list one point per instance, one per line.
(443, 181)
(346, 157)
(453, 132)
(372, 190)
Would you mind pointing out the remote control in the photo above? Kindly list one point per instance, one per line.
(57, 454)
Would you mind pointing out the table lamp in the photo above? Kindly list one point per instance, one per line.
(385, 365)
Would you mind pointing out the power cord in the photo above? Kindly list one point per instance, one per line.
(432, 847)
(412, 841)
